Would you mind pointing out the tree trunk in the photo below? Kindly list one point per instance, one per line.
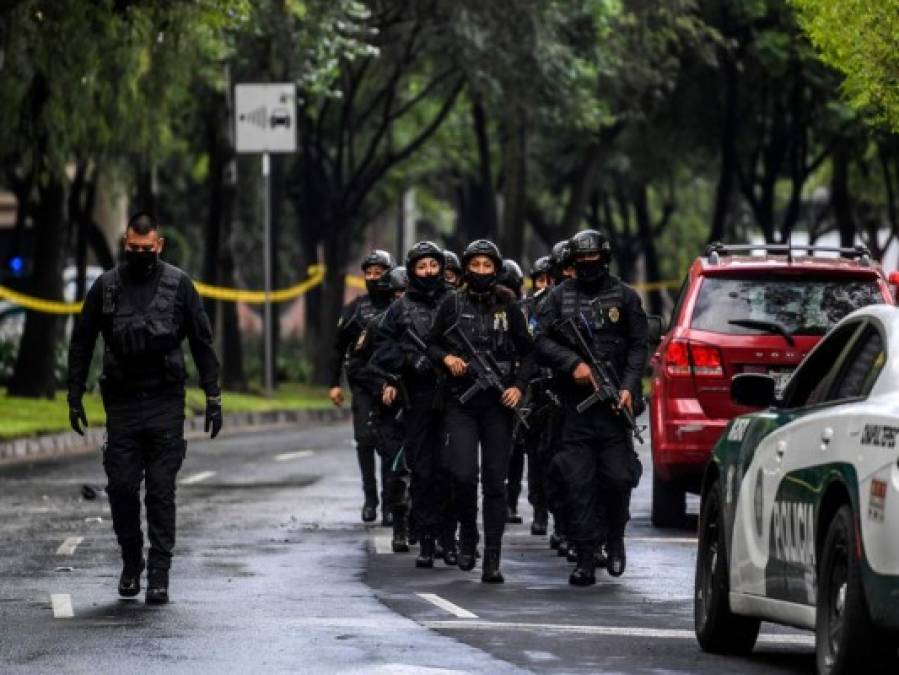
(511, 240)
(233, 375)
(728, 140)
(34, 375)
(331, 298)
(648, 246)
(840, 197)
(486, 195)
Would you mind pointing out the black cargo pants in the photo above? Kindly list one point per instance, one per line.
(364, 405)
(482, 423)
(144, 442)
(599, 469)
(425, 442)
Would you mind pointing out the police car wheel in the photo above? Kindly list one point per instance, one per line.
(669, 503)
(844, 635)
(718, 630)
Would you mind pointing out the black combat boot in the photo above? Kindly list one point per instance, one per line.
(450, 551)
(425, 557)
(400, 542)
(562, 549)
(370, 510)
(468, 549)
(554, 540)
(439, 550)
(387, 518)
(157, 586)
(538, 527)
(132, 567)
(490, 573)
(585, 572)
(617, 557)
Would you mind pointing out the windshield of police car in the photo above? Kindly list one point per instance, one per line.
(801, 305)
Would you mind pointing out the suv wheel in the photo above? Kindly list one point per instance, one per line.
(846, 640)
(669, 503)
(718, 629)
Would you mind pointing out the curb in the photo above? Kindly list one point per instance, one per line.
(50, 446)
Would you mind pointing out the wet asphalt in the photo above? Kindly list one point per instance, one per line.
(274, 572)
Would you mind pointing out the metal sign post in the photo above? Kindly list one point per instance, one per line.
(265, 122)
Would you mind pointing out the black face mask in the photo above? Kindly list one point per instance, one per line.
(378, 288)
(141, 264)
(480, 283)
(427, 284)
(590, 271)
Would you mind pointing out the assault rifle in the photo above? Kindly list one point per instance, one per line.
(605, 382)
(485, 371)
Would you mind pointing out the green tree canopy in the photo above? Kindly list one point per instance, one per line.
(860, 38)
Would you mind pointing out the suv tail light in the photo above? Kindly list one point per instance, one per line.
(677, 358)
(683, 358)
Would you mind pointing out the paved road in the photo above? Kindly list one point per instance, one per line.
(274, 573)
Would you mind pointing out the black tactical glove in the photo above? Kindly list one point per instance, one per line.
(77, 416)
(213, 415)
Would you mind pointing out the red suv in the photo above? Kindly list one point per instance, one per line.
(740, 313)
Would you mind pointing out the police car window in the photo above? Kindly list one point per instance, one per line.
(806, 305)
(812, 380)
(861, 369)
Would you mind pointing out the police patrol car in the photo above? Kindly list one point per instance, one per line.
(800, 504)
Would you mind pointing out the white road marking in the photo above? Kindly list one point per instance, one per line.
(69, 545)
(382, 545)
(299, 454)
(447, 606)
(198, 477)
(661, 540)
(62, 605)
(612, 631)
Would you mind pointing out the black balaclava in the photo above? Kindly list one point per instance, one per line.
(480, 283)
(141, 264)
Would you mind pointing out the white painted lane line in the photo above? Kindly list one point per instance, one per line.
(612, 631)
(62, 605)
(69, 545)
(198, 477)
(447, 606)
(662, 540)
(299, 454)
(382, 545)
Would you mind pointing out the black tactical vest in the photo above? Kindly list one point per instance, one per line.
(487, 325)
(146, 340)
(419, 316)
(600, 317)
(364, 321)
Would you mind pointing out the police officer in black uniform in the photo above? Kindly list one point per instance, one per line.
(542, 403)
(403, 330)
(144, 308)
(452, 270)
(490, 319)
(512, 277)
(598, 462)
(353, 320)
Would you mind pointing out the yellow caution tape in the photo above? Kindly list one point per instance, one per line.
(38, 304)
(316, 276)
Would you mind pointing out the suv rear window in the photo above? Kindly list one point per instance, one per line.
(801, 305)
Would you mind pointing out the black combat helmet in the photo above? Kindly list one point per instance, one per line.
(378, 257)
(424, 249)
(399, 279)
(452, 262)
(482, 247)
(428, 285)
(511, 276)
(589, 242)
(542, 265)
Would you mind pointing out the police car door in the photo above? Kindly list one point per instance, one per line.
(820, 430)
(756, 566)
